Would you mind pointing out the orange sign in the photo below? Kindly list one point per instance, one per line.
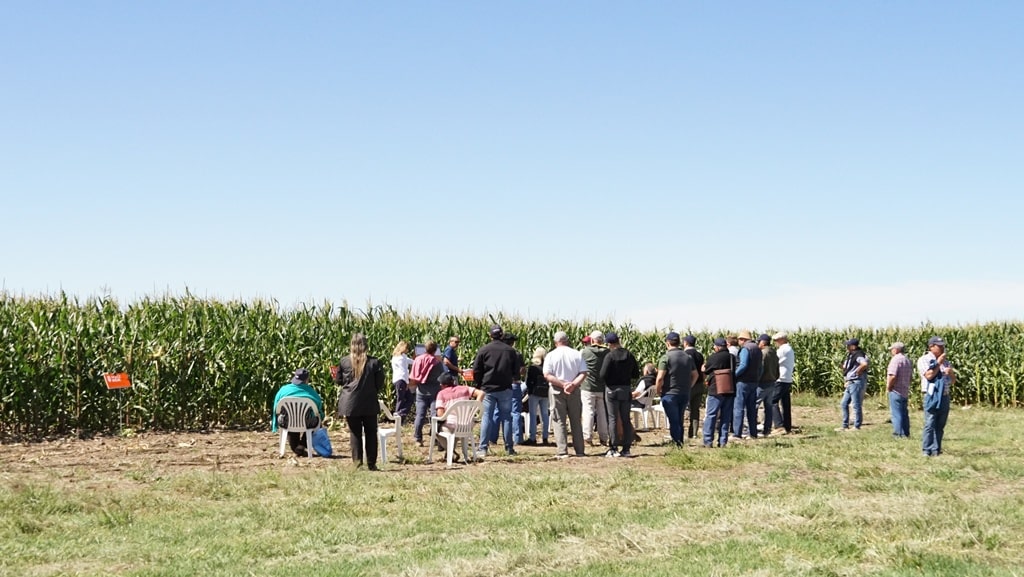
(117, 380)
(467, 375)
(334, 372)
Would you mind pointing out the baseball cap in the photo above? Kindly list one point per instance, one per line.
(586, 340)
(764, 338)
(300, 376)
(672, 336)
(611, 338)
(855, 342)
(495, 331)
(897, 345)
(936, 341)
(690, 339)
(780, 335)
(720, 342)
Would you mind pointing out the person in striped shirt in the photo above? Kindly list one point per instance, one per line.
(897, 385)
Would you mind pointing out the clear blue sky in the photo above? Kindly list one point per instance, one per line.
(674, 163)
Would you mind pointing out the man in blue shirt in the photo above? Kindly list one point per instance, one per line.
(748, 373)
(450, 358)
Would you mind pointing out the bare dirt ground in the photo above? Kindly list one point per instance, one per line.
(110, 460)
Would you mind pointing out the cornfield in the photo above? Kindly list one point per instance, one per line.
(197, 364)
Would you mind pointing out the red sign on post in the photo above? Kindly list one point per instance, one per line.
(467, 375)
(117, 380)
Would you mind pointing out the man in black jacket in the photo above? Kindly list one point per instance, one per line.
(496, 366)
(697, 392)
(720, 403)
(618, 370)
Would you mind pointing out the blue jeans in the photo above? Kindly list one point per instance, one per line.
(517, 421)
(503, 401)
(674, 404)
(425, 408)
(854, 393)
(934, 428)
(717, 415)
(745, 405)
(765, 394)
(900, 416)
(542, 406)
(517, 410)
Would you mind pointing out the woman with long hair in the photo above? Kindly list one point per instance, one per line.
(361, 378)
(400, 365)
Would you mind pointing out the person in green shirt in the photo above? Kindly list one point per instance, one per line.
(592, 391)
(297, 387)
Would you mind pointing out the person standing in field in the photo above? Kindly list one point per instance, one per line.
(538, 389)
(565, 370)
(936, 371)
(450, 392)
(593, 390)
(361, 378)
(782, 402)
(424, 377)
(767, 383)
(897, 385)
(297, 387)
(496, 366)
(855, 373)
(697, 391)
(618, 369)
(400, 365)
(676, 376)
(517, 393)
(749, 363)
(450, 358)
(719, 409)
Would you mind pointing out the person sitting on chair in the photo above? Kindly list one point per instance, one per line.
(450, 392)
(645, 382)
(298, 387)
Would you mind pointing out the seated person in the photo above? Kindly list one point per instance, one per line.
(298, 387)
(450, 392)
(645, 382)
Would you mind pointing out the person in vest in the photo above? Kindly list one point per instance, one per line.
(855, 375)
(718, 411)
(767, 383)
(749, 362)
(676, 375)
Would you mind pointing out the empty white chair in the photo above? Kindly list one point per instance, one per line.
(297, 408)
(463, 416)
(383, 434)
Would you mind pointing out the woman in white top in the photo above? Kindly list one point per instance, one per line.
(400, 364)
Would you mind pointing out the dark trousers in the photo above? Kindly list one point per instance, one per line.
(360, 427)
(404, 399)
(618, 414)
(696, 402)
(297, 441)
(783, 415)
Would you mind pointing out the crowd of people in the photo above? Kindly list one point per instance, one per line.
(744, 385)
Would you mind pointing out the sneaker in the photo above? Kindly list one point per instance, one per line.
(841, 429)
(528, 442)
(612, 453)
(511, 452)
(562, 456)
(625, 454)
(479, 455)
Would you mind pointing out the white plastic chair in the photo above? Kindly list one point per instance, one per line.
(463, 412)
(383, 434)
(658, 411)
(646, 398)
(296, 408)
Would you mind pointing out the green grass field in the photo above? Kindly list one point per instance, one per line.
(816, 503)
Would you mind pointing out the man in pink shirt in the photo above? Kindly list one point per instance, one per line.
(897, 385)
(450, 392)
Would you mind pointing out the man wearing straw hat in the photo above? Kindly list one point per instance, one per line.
(748, 373)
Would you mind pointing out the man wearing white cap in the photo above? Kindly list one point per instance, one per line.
(592, 391)
(935, 372)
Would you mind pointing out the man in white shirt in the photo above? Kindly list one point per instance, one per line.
(565, 370)
(935, 371)
(782, 401)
